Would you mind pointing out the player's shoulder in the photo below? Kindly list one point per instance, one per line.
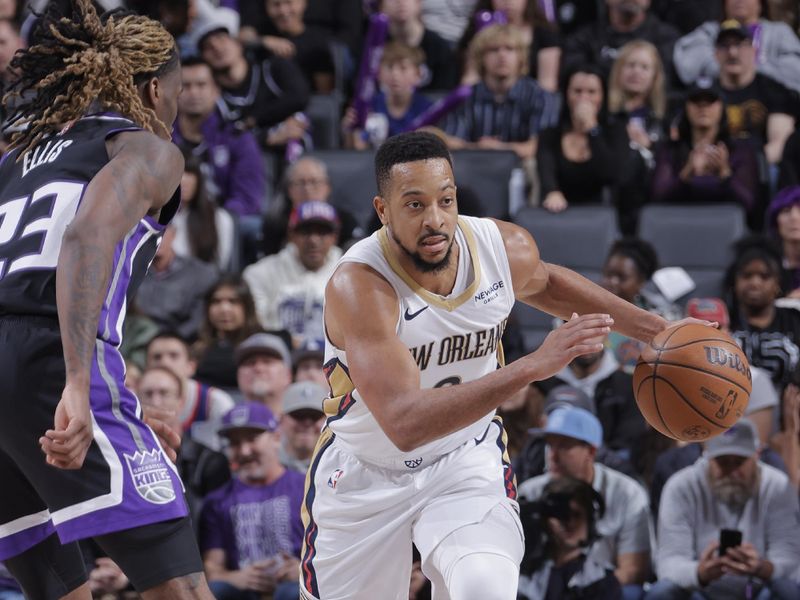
(148, 146)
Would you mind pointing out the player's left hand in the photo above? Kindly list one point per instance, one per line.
(156, 419)
(66, 445)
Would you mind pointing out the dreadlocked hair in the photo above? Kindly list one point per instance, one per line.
(83, 58)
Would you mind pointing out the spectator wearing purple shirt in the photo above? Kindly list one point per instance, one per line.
(231, 153)
(250, 529)
(704, 165)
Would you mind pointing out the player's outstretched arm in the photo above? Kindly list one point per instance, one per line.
(361, 314)
(562, 292)
(143, 173)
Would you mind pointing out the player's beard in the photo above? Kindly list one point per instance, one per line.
(423, 265)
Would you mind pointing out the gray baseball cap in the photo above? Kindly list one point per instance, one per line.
(304, 395)
(739, 440)
(263, 343)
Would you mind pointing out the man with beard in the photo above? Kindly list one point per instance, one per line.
(412, 452)
(728, 488)
(250, 528)
(599, 42)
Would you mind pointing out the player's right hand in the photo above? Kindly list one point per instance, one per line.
(580, 335)
(65, 446)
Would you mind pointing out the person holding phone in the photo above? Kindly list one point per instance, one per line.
(728, 526)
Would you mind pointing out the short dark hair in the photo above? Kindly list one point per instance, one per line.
(640, 252)
(194, 61)
(168, 334)
(405, 148)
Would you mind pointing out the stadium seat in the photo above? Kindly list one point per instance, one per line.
(578, 238)
(698, 238)
(324, 111)
(352, 178)
(487, 173)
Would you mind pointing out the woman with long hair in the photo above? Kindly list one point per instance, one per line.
(230, 318)
(202, 229)
(580, 157)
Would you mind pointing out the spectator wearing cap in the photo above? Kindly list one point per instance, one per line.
(305, 180)
(307, 363)
(301, 423)
(783, 221)
(759, 108)
(777, 47)
(573, 436)
(260, 89)
(728, 488)
(231, 154)
(250, 529)
(263, 370)
(704, 165)
(289, 287)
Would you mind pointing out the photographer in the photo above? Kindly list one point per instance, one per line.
(559, 531)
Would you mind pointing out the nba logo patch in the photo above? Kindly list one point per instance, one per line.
(334, 478)
(151, 477)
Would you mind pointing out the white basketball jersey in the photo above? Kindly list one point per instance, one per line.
(453, 338)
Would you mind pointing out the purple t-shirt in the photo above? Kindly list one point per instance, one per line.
(251, 523)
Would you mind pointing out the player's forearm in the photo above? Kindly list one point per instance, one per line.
(568, 292)
(82, 275)
(414, 418)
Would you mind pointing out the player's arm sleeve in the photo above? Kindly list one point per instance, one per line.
(248, 181)
(783, 529)
(693, 55)
(676, 558)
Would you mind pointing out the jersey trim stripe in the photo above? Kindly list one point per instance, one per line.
(509, 479)
(308, 574)
(341, 385)
(449, 304)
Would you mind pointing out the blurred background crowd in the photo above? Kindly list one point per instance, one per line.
(651, 145)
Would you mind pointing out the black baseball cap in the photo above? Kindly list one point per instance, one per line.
(732, 28)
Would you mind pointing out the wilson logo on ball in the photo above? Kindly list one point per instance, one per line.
(720, 356)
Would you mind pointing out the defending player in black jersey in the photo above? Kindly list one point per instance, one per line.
(84, 197)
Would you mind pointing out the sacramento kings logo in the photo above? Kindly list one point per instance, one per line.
(151, 477)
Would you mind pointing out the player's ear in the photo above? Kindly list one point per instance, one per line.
(150, 92)
(380, 207)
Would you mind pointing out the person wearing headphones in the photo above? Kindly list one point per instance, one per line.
(560, 529)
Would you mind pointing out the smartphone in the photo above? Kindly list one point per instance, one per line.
(729, 538)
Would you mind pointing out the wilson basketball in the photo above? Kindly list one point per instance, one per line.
(692, 382)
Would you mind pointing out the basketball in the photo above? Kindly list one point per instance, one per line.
(692, 382)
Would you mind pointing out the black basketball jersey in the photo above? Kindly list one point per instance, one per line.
(39, 196)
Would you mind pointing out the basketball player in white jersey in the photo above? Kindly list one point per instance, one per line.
(412, 450)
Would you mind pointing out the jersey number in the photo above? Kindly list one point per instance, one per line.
(65, 196)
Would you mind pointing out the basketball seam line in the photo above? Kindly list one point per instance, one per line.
(655, 404)
(683, 345)
(690, 405)
(700, 370)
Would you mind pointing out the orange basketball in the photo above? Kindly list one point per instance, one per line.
(692, 382)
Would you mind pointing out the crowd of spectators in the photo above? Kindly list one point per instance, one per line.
(621, 103)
